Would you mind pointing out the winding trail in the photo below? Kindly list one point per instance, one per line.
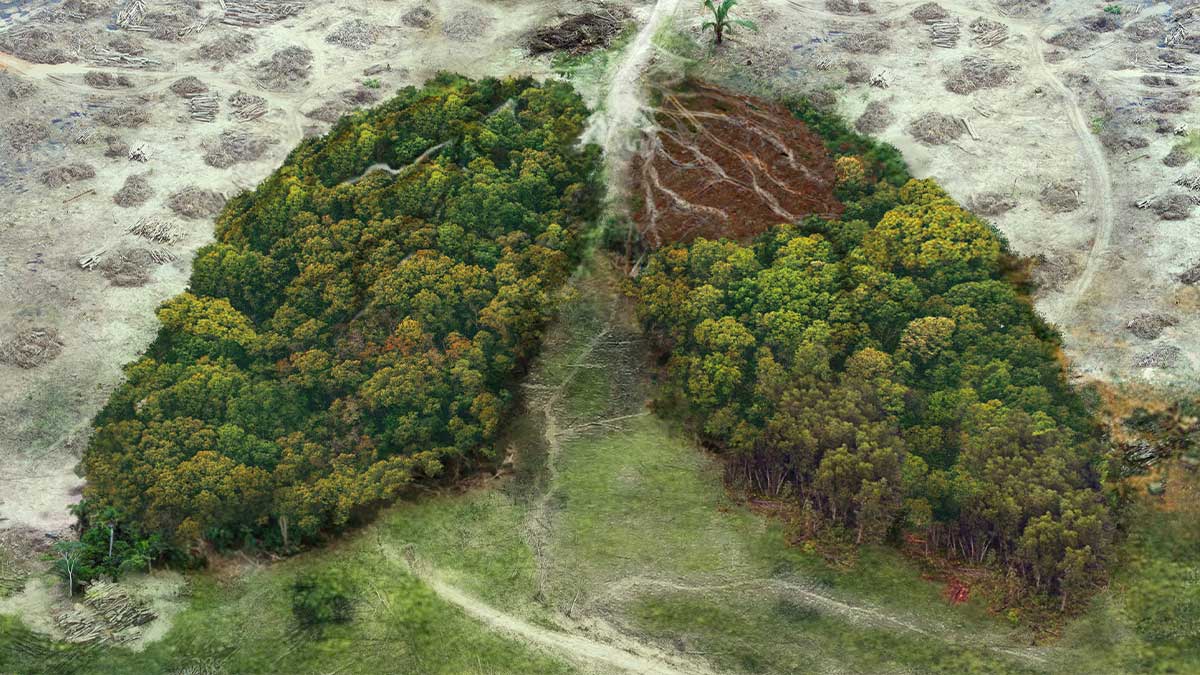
(1099, 183)
(593, 655)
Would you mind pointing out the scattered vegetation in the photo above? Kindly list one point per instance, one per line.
(722, 22)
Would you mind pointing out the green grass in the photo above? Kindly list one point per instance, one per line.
(644, 535)
(245, 625)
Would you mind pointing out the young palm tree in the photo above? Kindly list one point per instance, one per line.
(722, 22)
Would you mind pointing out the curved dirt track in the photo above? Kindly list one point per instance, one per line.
(1099, 183)
(592, 655)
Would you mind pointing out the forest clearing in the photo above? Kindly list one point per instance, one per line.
(454, 391)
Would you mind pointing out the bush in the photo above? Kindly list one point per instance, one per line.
(321, 599)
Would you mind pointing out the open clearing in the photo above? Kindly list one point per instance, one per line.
(614, 544)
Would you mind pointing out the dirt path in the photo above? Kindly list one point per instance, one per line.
(622, 115)
(1099, 184)
(591, 655)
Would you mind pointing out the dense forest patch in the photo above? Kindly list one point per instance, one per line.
(349, 335)
(719, 164)
(880, 369)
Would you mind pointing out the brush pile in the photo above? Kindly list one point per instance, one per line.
(976, 72)
(127, 268)
(25, 134)
(118, 609)
(154, 230)
(67, 174)
(874, 42)
(204, 107)
(195, 203)
(134, 192)
(992, 203)
(189, 86)
(930, 11)
(34, 44)
(286, 69)
(125, 116)
(355, 34)
(31, 348)
(258, 13)
(875, 118)
(987, 33)
(233, 147)
(101, 80)
(934, 128)
(578, 34)
(16, 88)
(247, 107)
(467, 26)
(227, 47)
(418, 17)
(1160, 357)
(1060, 196)
(1150, 326)
(1073, 38)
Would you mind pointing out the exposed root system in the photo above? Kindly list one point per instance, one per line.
(725, 165)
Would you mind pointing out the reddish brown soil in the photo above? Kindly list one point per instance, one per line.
(726, 165)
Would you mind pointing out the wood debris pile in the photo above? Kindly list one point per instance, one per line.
(578, 34)
(247, 107)
(204, 107)
(118, 609)
(130, 16)
(987, 33)
(944, 33)
(257, 13)
(155, 230)
(31, 348)
(113, 59)
(80, 628)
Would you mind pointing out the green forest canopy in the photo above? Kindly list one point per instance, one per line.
(883, 371)
(341, 340)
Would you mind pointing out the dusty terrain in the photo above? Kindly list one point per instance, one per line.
(1065, 124)
(166, 118)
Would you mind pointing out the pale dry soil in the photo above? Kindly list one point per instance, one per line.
(45, 411)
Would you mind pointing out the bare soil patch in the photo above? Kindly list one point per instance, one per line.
(727, 165)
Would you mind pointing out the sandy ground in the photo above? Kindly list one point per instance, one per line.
(45, 411)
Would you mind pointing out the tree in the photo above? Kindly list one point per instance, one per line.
(67, 560)
(722, 22)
